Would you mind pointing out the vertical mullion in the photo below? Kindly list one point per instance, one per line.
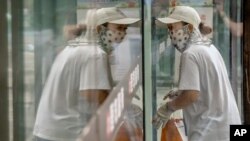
(233, 50)
(38, 52)
(18, 70)
(4, 118)
(246, 63)
(149, 133)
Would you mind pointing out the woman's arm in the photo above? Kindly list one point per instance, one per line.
(186, 98)
(97, 96)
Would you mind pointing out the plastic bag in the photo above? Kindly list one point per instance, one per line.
(170, 132)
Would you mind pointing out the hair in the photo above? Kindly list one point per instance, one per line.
(73, 31)
(80, 29)
(204, 29)
(99, 26)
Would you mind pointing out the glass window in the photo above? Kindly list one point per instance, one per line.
(65, 60)
(103, 77)
(225, 19)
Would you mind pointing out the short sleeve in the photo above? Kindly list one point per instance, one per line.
(94, 74)
(189, 73)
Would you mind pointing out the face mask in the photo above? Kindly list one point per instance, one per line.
(115, 36)
(179, 38)
(110, 38)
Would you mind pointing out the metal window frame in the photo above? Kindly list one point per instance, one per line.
(246, 62)
(17, 70)
(4, 118)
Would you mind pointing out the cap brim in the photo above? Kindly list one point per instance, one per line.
(125, 21)
(168, 20)
(163, 21)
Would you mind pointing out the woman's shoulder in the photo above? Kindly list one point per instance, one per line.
(91, 51)
(197, 48)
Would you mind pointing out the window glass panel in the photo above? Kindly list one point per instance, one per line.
(49, 30)
(224, 17)
(45, 28)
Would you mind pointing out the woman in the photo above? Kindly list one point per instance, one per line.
(79, 80)
(204, 92)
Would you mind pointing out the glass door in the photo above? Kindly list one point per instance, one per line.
(162, 60)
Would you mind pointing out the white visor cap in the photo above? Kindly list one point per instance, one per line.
(113, 15)
(182, 13)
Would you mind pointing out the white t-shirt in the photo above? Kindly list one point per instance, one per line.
(208, 119)
(62, 112)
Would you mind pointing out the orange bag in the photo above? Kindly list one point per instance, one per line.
(170, 132)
